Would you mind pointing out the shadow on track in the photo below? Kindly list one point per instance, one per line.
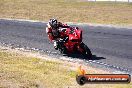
(94, 57)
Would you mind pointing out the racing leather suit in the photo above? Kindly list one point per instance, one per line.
(54, 34)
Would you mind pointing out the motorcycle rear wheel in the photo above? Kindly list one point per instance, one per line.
(87, 53)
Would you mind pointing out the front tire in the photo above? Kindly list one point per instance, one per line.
(86, 51)
(63, 50)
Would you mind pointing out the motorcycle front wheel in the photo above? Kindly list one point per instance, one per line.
(62, 49)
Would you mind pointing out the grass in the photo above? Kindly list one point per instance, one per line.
(68, 11)
(17, 70)
(21, 71)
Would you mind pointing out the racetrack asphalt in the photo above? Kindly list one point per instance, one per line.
(110, 45)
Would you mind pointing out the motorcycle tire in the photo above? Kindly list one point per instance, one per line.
(63, 50)
(87, 53)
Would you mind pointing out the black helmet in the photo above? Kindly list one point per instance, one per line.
(53, 23)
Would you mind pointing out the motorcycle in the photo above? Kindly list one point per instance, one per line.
(70, 41)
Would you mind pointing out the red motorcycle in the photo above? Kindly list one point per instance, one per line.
(71, 41)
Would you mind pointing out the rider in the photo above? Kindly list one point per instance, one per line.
(53, 32)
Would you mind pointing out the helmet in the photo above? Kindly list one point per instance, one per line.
(53, 23)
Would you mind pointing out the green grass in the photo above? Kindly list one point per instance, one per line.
(68, 11)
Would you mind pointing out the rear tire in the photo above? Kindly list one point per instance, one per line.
(87, 53)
